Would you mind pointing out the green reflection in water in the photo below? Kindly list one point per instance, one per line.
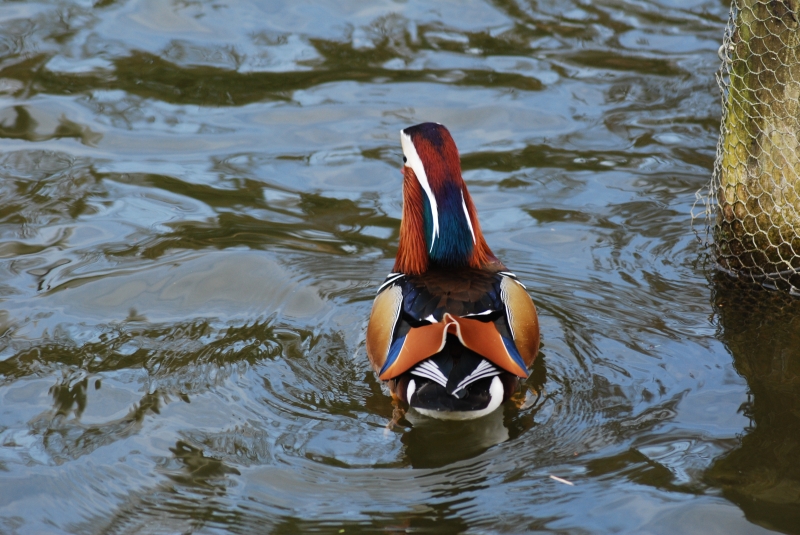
(762, 331)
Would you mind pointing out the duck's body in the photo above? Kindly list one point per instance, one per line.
(451, 330)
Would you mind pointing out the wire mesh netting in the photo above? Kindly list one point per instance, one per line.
(753, 201)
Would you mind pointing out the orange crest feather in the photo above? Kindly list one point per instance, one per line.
(412, 253)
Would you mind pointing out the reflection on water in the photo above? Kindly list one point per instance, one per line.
(199, 199)
(426, 443)
(761, 475)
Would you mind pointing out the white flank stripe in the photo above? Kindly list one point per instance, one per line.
(414, 162)
(504, 298)
(398, 305)
(514, 277)
(389, 281)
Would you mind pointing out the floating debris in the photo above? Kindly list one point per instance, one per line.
(561, 480)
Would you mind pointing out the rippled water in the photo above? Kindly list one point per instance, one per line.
(199, 198)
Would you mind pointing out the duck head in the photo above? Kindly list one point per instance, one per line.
(440, 224)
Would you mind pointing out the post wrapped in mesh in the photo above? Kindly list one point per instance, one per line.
(754, 195)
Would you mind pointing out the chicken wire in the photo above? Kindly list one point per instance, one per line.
(752, 206)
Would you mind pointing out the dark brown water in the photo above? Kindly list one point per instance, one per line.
(199, 198)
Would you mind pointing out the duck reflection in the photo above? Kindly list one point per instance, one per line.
(434, 443)
(762, 475)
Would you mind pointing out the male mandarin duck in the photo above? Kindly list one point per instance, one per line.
(452, 331)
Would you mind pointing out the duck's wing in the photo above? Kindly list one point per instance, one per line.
(490, 313)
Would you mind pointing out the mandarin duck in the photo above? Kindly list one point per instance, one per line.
(451, 331)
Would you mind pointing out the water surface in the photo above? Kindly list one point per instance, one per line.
(199, 198)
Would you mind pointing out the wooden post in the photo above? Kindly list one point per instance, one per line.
(757, 231)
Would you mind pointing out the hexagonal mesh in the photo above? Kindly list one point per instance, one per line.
(753, 203)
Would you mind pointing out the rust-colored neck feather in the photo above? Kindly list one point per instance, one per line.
(481, 254)
(412, 255)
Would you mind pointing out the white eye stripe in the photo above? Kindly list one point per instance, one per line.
(466, 214)
(415, 163)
